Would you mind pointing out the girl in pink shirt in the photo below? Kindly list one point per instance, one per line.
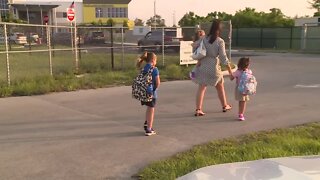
(243, 65)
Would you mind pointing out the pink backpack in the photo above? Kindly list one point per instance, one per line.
(247, 84)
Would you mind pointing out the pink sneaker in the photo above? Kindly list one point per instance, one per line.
(241, 117)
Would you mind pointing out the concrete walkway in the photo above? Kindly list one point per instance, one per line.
(97, 134)
(293, 168)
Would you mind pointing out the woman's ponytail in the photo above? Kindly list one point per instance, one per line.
(142, 58)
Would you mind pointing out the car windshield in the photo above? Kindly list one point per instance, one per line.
(19, 34)
(97, 34)
(171, 33)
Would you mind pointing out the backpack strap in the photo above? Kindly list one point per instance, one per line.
(147, 72)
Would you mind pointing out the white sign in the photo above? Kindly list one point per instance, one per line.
(186, 53)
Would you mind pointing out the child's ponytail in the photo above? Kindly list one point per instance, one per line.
(142, 58)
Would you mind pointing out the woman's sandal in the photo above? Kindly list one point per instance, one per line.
(199, 113)
(226, 108)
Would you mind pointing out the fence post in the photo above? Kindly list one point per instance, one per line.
(7, 54)
(49, 48)
(29, 41)
(163, 63)
(122, 46)
(230, 39)
(237, 40)
(291, 37)
(79, 45)
(112, 52)
(76, 47)
(261, 37)
(304, 37)
(71, 34)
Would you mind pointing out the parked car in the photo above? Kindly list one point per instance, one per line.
(65, 38)
(96, 37)
(2, 38)
(33, 37)
(155, 37)
(18, 38)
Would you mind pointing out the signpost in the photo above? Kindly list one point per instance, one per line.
(46, 21)
(72, 18)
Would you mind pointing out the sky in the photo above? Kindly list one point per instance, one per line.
(143, 9)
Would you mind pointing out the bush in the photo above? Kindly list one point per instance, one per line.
(174, 72)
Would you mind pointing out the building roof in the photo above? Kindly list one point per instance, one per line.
(106, 1)
(34, 6)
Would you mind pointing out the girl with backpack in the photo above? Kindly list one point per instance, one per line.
(149, 70)
(246, 85)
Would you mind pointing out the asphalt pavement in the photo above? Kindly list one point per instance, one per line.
(98, 134)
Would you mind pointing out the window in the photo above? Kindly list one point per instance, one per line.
(111, 12)
(122, 12)
(61, 15)
(99, 13)
(141, 30)
(114, 13)
(126, 12)
(117, 12)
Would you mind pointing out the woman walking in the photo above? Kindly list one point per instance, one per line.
(208, 71)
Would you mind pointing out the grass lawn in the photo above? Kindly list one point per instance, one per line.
(30, 71)
(297, 141)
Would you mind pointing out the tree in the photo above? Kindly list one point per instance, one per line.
(247, 17)
(100, 23)
(110, 22)
(9, 17)
(188, 19)
(156, 21)
(315, 4)
(125, 23)
(191, 19)
(138, 22)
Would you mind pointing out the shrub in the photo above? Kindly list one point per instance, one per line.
(174, 72)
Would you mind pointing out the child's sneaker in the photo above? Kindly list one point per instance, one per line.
(150, 132)
(241, 117)
(145, 126)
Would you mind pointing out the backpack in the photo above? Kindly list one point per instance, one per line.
(140, 85)
(247, 84)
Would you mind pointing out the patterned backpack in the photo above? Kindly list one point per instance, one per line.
(247, 84)
(140, 85)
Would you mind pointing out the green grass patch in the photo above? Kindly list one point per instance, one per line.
(30, 73)
(297, 141)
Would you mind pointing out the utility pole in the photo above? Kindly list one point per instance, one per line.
(174, 18)
(155, 14)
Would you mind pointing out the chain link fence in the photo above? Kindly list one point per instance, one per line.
(294, 38)
(32, 51)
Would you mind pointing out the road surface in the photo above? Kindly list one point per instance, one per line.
(97, 134)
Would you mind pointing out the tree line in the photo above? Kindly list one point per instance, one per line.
(247, 17)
